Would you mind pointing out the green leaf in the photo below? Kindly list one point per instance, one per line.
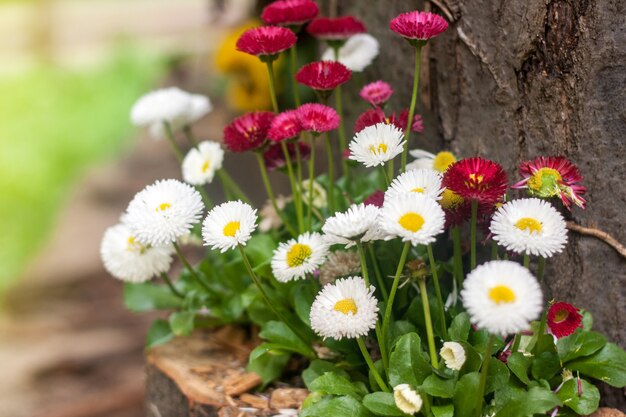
(438, 387)
(473, 359)
(584, 404)
(580, 343)
(545, 365)
(278, 332)
(443, 410)
(466, 395)
(319, 367)
(497, 376)
(406, 363)
(382, 404)
(181, 322)
(268, 366)
(270, 348)
(400, 328)
(335, 384)
(536, 400)
(303, 299)
(148, 296)
(460, 328)
(518, 364)
(336, 407)
(158, 333)
(260, 249)
(608, 365)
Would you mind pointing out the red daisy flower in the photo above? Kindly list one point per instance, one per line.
(374, 116)
(551, 177)
(418, 122)
(377, 198)
(275, 158)
(266, 41)
(248, 131)
(376, 93)
(323, 75)
(418, 27)
(335, 29)
(456, 208)
(318, 118)
(286, 125)
(289, 12)
(476, 179)
(563, 319)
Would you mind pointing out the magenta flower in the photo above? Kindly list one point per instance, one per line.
(286, 125)
(248, 132)
(335, 29)
(266, 41)
(323, 75)
(376, 93)
(289, 12)
(318, 118)
(418, 27)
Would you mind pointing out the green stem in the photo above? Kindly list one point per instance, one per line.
(541, 267)
(342, 130)
(516, 341)
(458, 256)
(269, 303)
(270, 193)
(385, 176)
(169, 134)
(370, 364)
(483, 375)
(311, 180)
(171, 286)
(526, 261)
(429, 323)
(366, 278)
(189, 135)
(205, 196)
(229, 184)
(440, 306)
(270, 72)
(293, 55)
(383, 348)
(416, 80)
(473, 234)
(295, 190)
(331, 175)
(494, 250)
(394, 289)
(379, 277)
(187, 265)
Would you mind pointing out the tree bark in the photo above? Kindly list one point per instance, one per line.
(515, 79)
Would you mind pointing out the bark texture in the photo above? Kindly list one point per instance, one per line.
(514, 79)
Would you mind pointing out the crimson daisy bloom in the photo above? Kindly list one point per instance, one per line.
(553, 176)
(266, 42)
(476, 179)
(418, 27)
(275, 158)
(248, 131)
(323, 75)
(563, 319)
(286, 125)
(337, 29)
(289, 12)
(456, 208)
(318, 118)
(377, 198)
(376, 93)
(374, 116)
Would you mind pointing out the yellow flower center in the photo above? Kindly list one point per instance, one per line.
(529, 224)
(443, 160)
(543, 175)
(231, 229)
(345, 306)
(450, 199)
(561, 316)
(377, 150)
(418, 190)
(205, 167)
(411, 221)
(134, 246)
(501, 294)
(163, 206)
(298, 254)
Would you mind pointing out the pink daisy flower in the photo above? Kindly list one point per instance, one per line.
(477, 179)
(335, 29)
(286, 125)
(418, 26)
(248, 132)
(563, 319)
(323, 75)
(275, 158)
(318, 118)
(289, 12)
(266, 41)
(376, 93)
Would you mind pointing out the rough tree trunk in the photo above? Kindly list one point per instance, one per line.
(514, 79)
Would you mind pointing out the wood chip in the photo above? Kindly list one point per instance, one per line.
(238, 384)
(608, 412)
(255, 401)
(288, 398)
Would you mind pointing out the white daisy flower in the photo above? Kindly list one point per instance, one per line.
(453, 354)
(199, 107)
(228, 225)
(439, 162)
(297, 257)
(502, 297)
(128, 260)
(346, 308)
(357, 53)
(201, 163)
(423, 181)
(163, 212)
(413, 217)
(358, 223)
(377, 144)
(530, 226)
(407, 399)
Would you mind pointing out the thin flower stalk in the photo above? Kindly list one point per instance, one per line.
(311, 181)
(372, 367)
(270, 193)
(359, 246)
(293, 65)
(473, 234)
(379, 278)
(331, 174)
(440, 306)
(295, 190)
(526, 261)
(191, 270)
(342, 131)
(457, 256)
(229, 185)
(429, 323)
(484, 369)
(416, 79)
(171, 286)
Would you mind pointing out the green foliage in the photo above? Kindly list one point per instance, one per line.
(149, 296)
(583, 401)
(337, 407)
(382, 404)
(160, 332)
(331, 383)
(607, 365)
(406, 363)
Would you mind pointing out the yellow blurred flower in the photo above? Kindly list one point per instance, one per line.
(248, 84)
